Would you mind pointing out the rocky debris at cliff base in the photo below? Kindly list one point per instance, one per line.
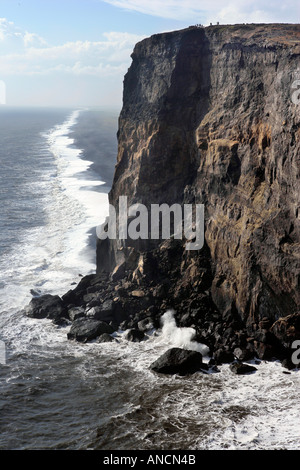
(136, 303)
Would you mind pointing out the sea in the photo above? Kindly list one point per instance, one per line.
(56, 169)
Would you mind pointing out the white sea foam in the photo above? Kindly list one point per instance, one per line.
(48, 257)
(79, 207)
(180, 337)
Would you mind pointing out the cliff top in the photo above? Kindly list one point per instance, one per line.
(250, 34)
(288, 34)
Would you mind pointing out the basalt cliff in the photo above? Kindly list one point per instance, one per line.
(210, 116)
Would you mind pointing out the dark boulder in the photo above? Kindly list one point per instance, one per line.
(46, 306)
(107, 309)
(75, 296)
(105, 338)
(178, 361)
(76, 312)
(223, 356)
(243, 354)
(134, 335)
(240, 368)
(146, 324)
(87, 329)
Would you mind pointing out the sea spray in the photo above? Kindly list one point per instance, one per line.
(181, 337)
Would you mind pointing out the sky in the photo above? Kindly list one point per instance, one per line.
(70, 53)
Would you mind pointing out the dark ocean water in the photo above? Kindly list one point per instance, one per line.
(56, 170)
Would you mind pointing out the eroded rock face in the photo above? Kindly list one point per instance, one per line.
(208, 118)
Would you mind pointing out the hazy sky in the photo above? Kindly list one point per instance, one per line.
(76, 52)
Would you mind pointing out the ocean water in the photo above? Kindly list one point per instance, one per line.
(56, 170)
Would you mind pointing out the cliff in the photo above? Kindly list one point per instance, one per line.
(208, 118)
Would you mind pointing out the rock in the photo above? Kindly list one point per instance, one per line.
(138, 293)
(240, 368)
(119, 272)
(178, 361)
(75, 296)
(146, 324)
(287, 363)
(76, 312)
(46, 306)
(105, 338)
(243, 354)
(223, 356)
(134, 335)
(93, 312)
(107, 308)
(112, 310)
(84, 330)
(91, 299)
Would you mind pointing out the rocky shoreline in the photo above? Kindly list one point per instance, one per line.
(133, 300)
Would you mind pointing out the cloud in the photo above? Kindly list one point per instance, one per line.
(205, 11)
(84, 72)
(25, 53)
(14, 38)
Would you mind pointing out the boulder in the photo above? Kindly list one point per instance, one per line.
(243, 354)
(105, 338)
(119, 272)
(138, 293)
(178, 361)
(107, 309)
(146, 324)
(76, 312)
(134, 335)
(75, 296)
(223, 356)
(46, 306)
(241, 368)
(87, 329)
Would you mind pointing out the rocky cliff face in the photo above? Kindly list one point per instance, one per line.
(208, 118)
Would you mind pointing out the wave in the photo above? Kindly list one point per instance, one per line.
(50, 257)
